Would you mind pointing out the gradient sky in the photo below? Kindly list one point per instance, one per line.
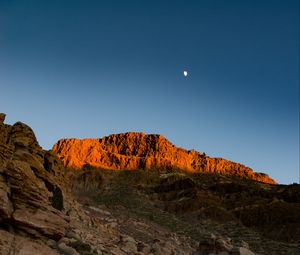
(92, 68)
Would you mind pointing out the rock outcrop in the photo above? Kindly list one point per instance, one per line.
(38, 213)
(47, 209)
(135, 150)
(31, 198)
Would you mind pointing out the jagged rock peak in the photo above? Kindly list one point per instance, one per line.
(137, 150)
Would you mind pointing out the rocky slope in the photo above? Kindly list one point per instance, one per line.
(129, 151)
(48, 209)
(196, 206)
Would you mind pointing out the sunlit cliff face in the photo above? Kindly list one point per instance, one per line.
(134, 150)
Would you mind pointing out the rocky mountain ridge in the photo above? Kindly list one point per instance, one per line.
(135, 150)
(40, 215)
(46, 208)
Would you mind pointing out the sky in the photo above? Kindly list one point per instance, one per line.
(93, 68)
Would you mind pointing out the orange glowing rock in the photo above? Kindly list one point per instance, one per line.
(135, 150)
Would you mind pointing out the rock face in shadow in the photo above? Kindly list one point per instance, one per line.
(135, 150)
(28, 190)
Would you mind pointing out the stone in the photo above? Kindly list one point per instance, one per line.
(223, 245)
(73, 235)
(156, 248)
(45, 222)
(51, 243)
(241, 251)
(219, 245)
(6, 208)
(143, 248)
(26, 190)
(67, 250)
(31, 200)
(2, 117)
(6, 242)
(23, 136)
(27, 247)
(128, 244)
(17, 245)
(244, 244)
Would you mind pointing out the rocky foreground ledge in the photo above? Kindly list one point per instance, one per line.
(134, 150)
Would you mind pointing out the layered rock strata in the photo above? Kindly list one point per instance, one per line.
(31, 196)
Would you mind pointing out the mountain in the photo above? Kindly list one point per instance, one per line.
(48, 208)
(133, 150)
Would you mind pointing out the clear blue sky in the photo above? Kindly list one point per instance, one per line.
(92, 68)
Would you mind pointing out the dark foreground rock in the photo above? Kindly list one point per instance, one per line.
(27, 211)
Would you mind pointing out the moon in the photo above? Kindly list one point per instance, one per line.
(185, 73)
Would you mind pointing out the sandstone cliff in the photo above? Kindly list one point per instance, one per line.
(135, 150)
(31, 194)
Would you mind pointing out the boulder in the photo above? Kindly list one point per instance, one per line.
(67, 250)
(241, 251)
(219, 245)
(2, 117)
